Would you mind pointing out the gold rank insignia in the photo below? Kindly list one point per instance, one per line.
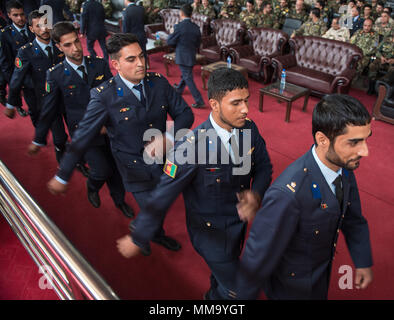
(170, 168)
(60, 55)
(291, 187)
(18, 63)
(250, 151)
(100, 77)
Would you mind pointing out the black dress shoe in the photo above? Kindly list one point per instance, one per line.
(198, 105)
(83, 169)
(167, 242)
(93, 198)
(22, 112)
(126, 210)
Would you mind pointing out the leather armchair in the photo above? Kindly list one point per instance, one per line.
(322, 65)
(384, 106)
(265, 44)
(227, 33)
(170, 18)
(203, 22)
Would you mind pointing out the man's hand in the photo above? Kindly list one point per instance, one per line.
(126, 247)
(55, 187)
(10, 113)
(158, 147)
(33, 149)
(103, 130)
(364, 277)
(249, 203)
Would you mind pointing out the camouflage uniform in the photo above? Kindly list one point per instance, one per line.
(152, 16)
(74, 5)
(333, 5)
(208, 11)
(384, 30)
(342, 34)
(311, 28)
(367, 42)
(268, 21)
(251, 20)
(232, 11)
(197, 8)
(258, 11)
(108, 9)
(281, 13)
(303, 15)
(386, 50)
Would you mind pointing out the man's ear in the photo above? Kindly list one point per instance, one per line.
(322, 140)
(214, 105)
(58, 46)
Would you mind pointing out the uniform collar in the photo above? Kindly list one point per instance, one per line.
(74, 66)
(19, 29)
(43, 45)
(222, 133)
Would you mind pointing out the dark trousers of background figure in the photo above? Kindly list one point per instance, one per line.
(90, 45)
(103, 169)
(187, 80)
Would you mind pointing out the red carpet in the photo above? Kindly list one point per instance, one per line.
(183, 275)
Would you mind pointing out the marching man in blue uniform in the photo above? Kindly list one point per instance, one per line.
(12, 38)
(32, 62)
(128, 105)
(294, 235)
(223, 169)
(68, 84)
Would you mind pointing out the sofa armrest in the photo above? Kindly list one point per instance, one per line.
(151, 29)
(342, 80)
(282, 62)
(208, 41)
(239, 52)
(387, 81)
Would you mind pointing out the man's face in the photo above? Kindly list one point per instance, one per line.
(354, 12)
(335, 25)
(249, 7)
(17, 16)
(71, 47)
(367, 11)
(349, 148)
(317, 5)
(379, 8)
(385, 17)
(367, 26)
(41, 31)
(259, 3)
(268, 9)
(283, 3)
(230, 2)
(374, 2)
(233, 109)
(299, 5)
(131, 63)
(205, 3)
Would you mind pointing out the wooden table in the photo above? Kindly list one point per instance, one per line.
(169, 58)
(209, 68)
(289, 94)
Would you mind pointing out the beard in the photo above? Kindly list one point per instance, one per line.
(334, 158)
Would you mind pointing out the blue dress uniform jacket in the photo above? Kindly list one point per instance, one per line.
(187, 38)
(32, 63)
(66, 88)
(209, 189)
(59, 8)
(114, 106)
(293, 238)
(133, 22)
(92, 20)
(10, 41)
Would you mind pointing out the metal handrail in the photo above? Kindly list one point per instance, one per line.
(70, 275)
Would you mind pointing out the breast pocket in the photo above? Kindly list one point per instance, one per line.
(126, 115)
(216, 183)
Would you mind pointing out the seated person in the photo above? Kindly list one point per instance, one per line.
(313, 27)
(230, 10)
(249, 16)
(383, 26)
(336, 32)
(267, 19)
(207, 9)
(298, 11)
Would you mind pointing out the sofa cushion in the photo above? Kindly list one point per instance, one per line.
(212, 53)
(251, 63)
(309, 78)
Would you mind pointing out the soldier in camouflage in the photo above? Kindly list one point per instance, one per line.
(367, 12)
(259, 6)
(367, 40)
(383, 27)
(152, 11)
(324, 11)
(249, 16)
(281, 11)
(196, 5)
(230, 10)
(267, 19)
(207, 9)
(313, 27)
(298, 11)
(74, 5)
(384, 57)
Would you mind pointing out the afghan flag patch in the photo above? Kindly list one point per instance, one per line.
(47, 87)
(18, 63)
(170, 168)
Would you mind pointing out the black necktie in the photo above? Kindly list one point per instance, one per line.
(84, 74)
(24, 35)
(50, 55)
(142, 97)
(339, 190)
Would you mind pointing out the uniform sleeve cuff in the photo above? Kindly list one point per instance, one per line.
(8, 106)
(60, 180)
(38, 144)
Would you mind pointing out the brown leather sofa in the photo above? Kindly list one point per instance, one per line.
(384, 106)
(322, 65)
(227, 33)
(264, 44)
(170, 19)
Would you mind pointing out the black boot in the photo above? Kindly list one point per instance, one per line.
(371, 87)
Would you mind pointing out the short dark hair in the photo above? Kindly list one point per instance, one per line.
(380, 3)
(266, 3)
(316, 12)
(118, 41)
(389, 9)
(224, 80)
(334, 112)
(251, 2)
(367, 6)
(187, 10)
(322, 3)
(35, 14)
(61, 28)
(13, 4)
